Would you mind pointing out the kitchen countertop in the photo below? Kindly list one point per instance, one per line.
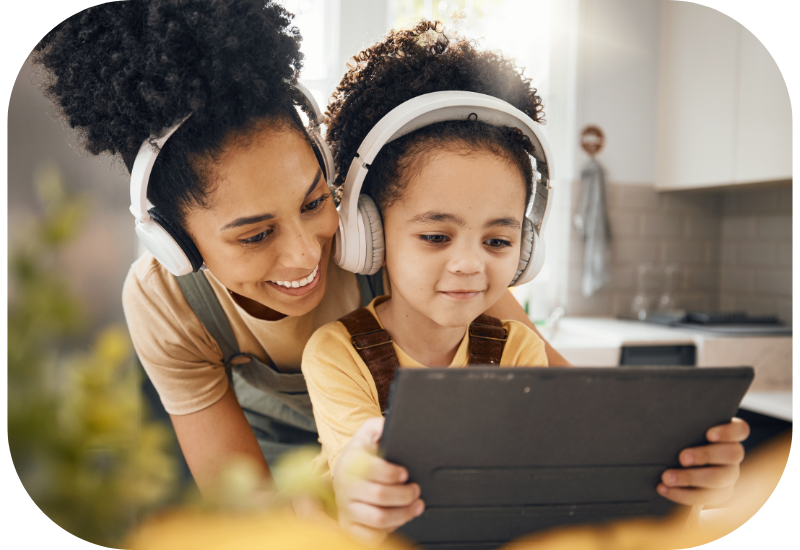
(777, 404)
(620, 332)
(598, 342)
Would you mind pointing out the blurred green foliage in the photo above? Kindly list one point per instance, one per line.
(79, 437)
(79, 433)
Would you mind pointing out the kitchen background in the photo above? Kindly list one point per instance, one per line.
(697, 159)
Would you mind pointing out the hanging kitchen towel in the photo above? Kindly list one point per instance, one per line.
(591, 220)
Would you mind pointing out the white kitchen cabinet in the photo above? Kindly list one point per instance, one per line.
(764, 117)
(724, 110)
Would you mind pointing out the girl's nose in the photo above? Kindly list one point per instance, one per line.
(466, 260)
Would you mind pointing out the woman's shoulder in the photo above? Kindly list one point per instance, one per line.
(516, 329)
(147, 275)
(523, 346)
(157, 312)
(178, 353)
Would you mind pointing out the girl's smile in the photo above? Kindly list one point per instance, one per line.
(461, 294)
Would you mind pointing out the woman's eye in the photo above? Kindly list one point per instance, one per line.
(256, 238)
(497, 243)
(313, 205)
(435, 239)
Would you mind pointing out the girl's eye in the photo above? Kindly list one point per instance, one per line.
(497, 243)
(313, 205)
(435, 239)
(256, 238)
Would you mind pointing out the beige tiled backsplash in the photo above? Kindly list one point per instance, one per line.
(732, 250)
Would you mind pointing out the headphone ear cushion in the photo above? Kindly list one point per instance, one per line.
(531, 255)
(184, 241)
(373, 234)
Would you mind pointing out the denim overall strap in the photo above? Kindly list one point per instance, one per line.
(276, 404)
(198, 292)
(487, 339)
(374, 346)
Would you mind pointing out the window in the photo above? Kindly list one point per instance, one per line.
(318, 21)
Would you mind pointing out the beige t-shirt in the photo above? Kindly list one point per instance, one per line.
(180, 356)
(343, 391)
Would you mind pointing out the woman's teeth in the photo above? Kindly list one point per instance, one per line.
(299, 282)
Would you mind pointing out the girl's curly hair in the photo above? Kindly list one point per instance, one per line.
(124, 71)
(407, 64)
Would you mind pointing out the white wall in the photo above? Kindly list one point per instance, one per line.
(362, 22)
(617, 84)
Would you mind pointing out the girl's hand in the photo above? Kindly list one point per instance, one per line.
(372, 495)
(710, 471)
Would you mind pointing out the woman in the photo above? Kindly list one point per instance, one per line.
(239, 181)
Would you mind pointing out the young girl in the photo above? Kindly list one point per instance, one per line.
(452, 197)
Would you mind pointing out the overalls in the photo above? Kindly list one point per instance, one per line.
(276, 404)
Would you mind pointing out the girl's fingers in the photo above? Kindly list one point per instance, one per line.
(734, 431)
(386, 473)
(376, 517)
(383, 495)
(710, 477)
(363, 465)
(713, 454)
(693, 496)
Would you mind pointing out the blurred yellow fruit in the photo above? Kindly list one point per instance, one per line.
(265, 530)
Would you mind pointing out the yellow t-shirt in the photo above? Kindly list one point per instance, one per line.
(180, 356)
(343, 392)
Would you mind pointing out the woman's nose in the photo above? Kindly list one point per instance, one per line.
(300, 248)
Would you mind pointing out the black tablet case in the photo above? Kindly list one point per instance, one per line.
(501, 452)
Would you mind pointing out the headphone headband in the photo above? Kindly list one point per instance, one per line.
(142, 166)
(435, 107)
(423, 111)
(316, 136)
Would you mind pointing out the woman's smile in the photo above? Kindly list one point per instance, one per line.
(298, 287)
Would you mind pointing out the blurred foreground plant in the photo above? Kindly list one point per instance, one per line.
(78, 438)
(245, 512)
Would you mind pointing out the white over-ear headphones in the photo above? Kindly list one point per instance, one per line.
(169, 244)
(359, 245)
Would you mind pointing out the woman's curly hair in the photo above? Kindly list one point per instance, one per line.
(124, 71)
(407, 64)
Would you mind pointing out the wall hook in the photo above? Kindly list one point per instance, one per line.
(592, 140)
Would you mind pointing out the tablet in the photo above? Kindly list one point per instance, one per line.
(502, 452)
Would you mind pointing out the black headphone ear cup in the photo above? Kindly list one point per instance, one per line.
(180, 236)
